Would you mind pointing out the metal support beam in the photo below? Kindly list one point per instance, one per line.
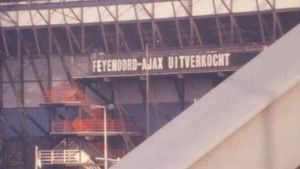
(68, 33)
(177, 26)
(97, 92)
(142, 89)
(33, 66)
(153, 24)
(1, 82)
(147, 99)
(112, 91)
(48, 58)
(49, 54)
(218, 24)
(119, 32)
(42, 16)
(73, 37)
(153, 34)
(11, 19)
(54, 5)
(194, 27)
(117, 38)
(103, 34)
(22, 90)
(4, 42)
(37, 124)
(73, 12)
(9, 125)
(62, 59)
(11, 80)
(117, 29)
(129, 144)
(24, 114)
(139, 28)
(260, 20)
(233, 22)
(20, 99)
(37, 44)
(179, 85)
(276, 20)
(163, 113)
(82, 28)
(155, 28)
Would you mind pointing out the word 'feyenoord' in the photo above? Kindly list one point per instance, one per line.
(161, 63)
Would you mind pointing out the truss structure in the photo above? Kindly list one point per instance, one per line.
(36, 36)
(47, 28)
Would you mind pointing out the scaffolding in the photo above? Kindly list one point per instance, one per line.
(84, 125)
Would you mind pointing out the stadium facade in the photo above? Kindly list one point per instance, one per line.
(98, 77)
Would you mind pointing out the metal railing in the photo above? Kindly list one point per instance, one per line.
(65, 157)
(65, 93)
(79, 125)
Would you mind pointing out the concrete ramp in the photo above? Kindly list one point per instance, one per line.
(221, 112)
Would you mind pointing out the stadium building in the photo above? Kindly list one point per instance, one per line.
(85, 82)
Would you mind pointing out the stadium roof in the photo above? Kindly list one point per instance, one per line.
(58, 12)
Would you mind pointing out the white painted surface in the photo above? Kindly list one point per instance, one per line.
(222, 111)
(271, 140)
(126, 12)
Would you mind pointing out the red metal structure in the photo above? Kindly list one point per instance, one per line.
(65, 93)
(76, 115)
(71, 95)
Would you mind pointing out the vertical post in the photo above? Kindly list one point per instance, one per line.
(50, 48)
(80, 118)
(72, 65)
(64, 156)
(36, 157)
(52, 156)
(105, 139)
(147, 94)
(1, 81)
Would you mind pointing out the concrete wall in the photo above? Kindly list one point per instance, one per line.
(269, 141)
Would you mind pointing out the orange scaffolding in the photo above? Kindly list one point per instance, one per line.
(65, 93)
(89, 119)
(79, 125)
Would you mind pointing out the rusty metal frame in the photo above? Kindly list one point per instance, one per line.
(193, 26)
(276, 20)
(233, 22)
(218, 23)
(103, 34)
(155, 29)
(119, 31)
(177, 26)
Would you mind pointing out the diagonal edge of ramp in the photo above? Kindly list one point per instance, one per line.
(222, 111)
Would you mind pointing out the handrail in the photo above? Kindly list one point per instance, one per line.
(69, 156)
(66, 94)
(78, 125)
